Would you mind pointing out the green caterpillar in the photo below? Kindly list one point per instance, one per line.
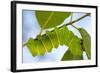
(52, 39)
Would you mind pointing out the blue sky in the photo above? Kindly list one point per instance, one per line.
(31, 29)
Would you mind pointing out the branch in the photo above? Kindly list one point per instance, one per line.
(69, 23)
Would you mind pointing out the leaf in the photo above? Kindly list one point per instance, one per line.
(49, 19)
(61, 34)
(70, 36)
(40, 48)
(69, 56)
(69, 39)
(52, 39)
(47, 43)
(35, 47)
(75, 46)
(32, 47)
(86, 42)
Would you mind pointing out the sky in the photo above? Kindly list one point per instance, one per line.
(31, 29)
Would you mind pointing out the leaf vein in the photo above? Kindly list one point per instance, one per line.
(48, 19)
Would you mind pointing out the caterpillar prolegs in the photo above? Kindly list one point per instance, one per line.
(52, 39)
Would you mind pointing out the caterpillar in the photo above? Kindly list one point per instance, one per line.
(52, 39)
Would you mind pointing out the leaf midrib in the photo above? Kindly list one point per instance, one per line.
(44, 46)
(57, 37)
(71, 41)
(49, 18)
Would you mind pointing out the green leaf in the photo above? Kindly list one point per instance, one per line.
(32, 47)
(61, 34)
(35, 47)
(86, 42)
(75, 46)
(40, 48)
(47, 43)
(69, 56)
(68, 38)
(52, 39)
(49, 19)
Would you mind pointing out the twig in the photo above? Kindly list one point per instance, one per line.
(88, 14)
(69, 23)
